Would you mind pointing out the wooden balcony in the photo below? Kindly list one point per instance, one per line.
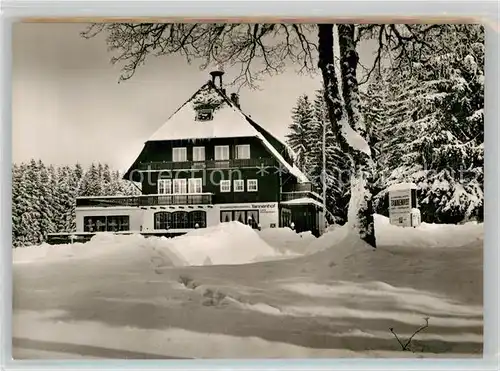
(145, 200)
(208, 164)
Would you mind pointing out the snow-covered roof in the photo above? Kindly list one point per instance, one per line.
(294, 170)
(402, 187)
(303, 201)
(228, 121)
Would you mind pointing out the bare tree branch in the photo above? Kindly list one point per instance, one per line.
(378, 58)
(397, 338)
(417, 331)
(400, 45)
(406, 345)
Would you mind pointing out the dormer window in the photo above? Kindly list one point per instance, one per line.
(204, 114)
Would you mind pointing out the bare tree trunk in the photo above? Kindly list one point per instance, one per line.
(348, 64)
(360, 214)
(330, 84)
(360, 205)
(323, 170)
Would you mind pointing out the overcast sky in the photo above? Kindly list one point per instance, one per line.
(68, 106)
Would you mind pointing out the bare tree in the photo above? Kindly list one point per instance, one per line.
(361, 206)
(342, 101)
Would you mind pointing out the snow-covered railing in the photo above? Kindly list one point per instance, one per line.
(208, 164)
(300, 187)
(288, 196)
(146, 200)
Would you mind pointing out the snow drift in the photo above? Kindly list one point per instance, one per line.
(100, 245)
(286, 240)
(235, 243)
(427, 235)
(338, 289)
(226, 243)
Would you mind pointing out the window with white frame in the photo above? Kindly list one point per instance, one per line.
(198, 153)
(109, 223)
(225, 186)
(164, 186)
(243, 151)
(221, 153)
(117, 223)
(194, 185)
(239, 185)
(179, 186)
(179, 154)
(252, 185)
(94, 223)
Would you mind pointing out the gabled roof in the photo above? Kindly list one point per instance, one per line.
(228, 121)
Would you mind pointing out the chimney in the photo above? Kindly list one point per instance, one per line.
(218, 74)
(235, 99)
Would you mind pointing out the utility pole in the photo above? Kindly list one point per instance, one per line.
(324, 174)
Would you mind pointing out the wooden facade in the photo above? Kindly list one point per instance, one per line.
(156, 163)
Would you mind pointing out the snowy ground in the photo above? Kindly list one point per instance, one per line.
(231, 292)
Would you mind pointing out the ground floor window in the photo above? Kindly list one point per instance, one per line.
(239, 216)
(180, 220)
(226, 216)
(286, 217)
(198, 219)
(250, 217)
(111, 223)
(163, 220)
(117, 223)
(305, 218)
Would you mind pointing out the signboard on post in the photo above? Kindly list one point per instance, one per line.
(402, 206)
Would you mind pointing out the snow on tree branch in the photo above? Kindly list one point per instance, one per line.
(354, 139)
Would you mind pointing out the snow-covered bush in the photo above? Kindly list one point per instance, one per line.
(43, 197)
(430, 129)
